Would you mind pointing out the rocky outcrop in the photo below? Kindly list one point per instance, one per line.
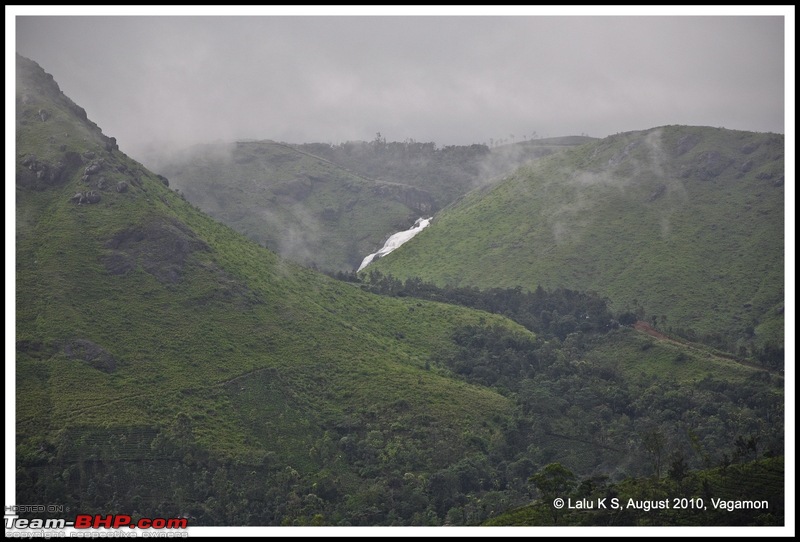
(32, 81)
(765, 175)
(657, 193)
(95, 166)
(85, 197)
(619, 157)
(751, 147)
(686, 143)
(93, 354)
(706, 166)
(160, 248)
(39, 174)
(92, 173)
(712, 163)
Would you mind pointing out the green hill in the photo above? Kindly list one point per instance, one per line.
(305, 208)
(168, 366)
(320, 205)
(153, 342)
(445, 172)
(683, 226)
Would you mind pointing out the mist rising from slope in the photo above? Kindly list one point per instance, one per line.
(620, 163)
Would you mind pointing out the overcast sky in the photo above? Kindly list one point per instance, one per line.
(151, 81)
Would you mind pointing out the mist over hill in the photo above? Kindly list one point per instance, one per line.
(168, 366)
(162, 357)
(683, 226)
(328, 206)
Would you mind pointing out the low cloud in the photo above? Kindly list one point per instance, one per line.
(164, 82)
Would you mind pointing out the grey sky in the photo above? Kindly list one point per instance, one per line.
(156, 81)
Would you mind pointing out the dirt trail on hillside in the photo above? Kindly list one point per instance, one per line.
(641, 325)
(644, 327)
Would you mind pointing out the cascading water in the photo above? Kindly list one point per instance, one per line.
(395, 241)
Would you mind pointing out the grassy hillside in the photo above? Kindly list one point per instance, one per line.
(606, 401)
(329, 206)
(146, 329)
(445, 172)
(683, 226)
(166, 365)
(303, 207)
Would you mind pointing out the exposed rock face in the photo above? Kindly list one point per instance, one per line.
(706, 166)
(85, 197)
(712, 163)
(33, 81)
(91, 353)
(161, 248)
(751, 147)
(623, 154)
(657, 193)
(122, 187)
(39, 174)
(686, 143)
(94, 166)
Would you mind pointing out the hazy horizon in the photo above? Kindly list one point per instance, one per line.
(157, 82)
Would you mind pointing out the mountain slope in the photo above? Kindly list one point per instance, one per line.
(167, 366)
(305, 208)
(445, 172)
(321, 205)
(683, 226)
(159, 346)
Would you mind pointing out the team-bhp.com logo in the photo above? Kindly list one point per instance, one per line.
(97, 521)
(86, 521)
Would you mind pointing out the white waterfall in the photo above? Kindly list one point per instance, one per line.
(395, 241)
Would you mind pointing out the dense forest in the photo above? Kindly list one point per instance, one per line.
(167, 366)
(682, 226)
(709, 497)
(603, 430)
(553, 313)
